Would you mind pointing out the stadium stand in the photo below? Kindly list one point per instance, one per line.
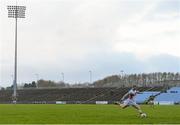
(141, 98)
(70, 95)
(171, 96)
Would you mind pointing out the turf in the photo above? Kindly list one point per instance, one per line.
(86, 114)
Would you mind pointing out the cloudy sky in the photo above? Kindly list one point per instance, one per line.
(76, 36)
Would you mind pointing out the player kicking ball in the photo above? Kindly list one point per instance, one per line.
(130, 101)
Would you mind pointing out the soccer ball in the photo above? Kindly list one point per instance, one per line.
(143, 115)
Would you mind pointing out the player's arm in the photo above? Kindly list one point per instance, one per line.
(138, 92)
(124, 96)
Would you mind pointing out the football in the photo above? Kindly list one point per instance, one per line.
(143, 115)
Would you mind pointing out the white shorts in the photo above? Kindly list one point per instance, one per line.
(151, 102)
(129, 102)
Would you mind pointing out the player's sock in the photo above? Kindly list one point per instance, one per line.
(140, 111)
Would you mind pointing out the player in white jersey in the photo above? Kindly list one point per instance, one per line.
(130, 100)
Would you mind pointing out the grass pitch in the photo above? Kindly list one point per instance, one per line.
(85, 114)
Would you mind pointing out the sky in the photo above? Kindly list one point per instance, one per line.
(102, 36)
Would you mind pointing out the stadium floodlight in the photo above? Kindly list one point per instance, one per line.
(62, 76)
(15, 12)
(122, 73)
(90, 76)
(37, 79)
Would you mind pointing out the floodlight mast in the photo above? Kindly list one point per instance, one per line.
(15, 12)
(90, 76)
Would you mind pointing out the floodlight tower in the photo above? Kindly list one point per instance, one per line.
(62, 76)
(15, 12)
(122, 73)
(90, 76)
(37, 79)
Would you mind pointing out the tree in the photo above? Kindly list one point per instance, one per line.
(46, 83)
(33, 84)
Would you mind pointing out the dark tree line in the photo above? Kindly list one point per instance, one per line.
(48, 83)
(127, 80)
(144, 79)
(30, 85)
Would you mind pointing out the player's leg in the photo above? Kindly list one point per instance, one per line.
(137, 107)
(151, 104)
(122, 105)
(125, 104)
